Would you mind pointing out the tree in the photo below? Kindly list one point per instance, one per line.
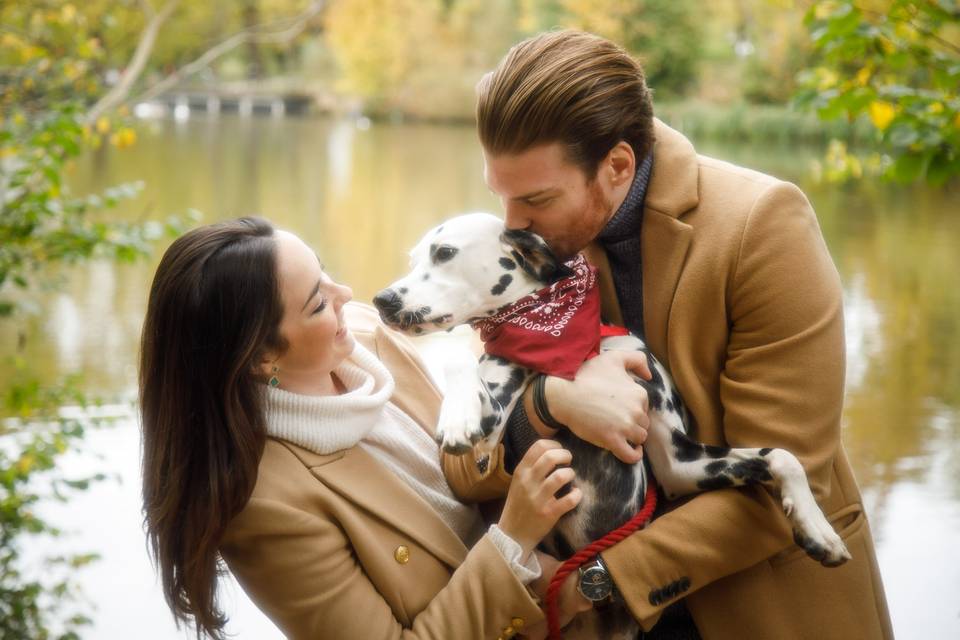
(54, 106)
(48, 76)
(665, 35)
(428, 54)
(897, 63)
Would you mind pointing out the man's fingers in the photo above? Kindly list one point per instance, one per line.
(643, 423)
(627, 453)
(638, 435)
(636, 363)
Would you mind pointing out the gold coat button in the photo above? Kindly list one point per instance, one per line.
(508, 633)
(402, 554)
(517, 623)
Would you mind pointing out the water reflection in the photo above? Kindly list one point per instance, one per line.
(363, 195)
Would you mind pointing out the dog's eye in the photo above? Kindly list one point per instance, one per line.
(444, 253)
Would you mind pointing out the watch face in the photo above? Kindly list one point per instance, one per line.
(595, 584)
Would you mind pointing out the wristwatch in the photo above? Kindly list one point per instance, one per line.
(595, 582)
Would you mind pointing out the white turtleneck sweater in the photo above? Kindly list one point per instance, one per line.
(364, 416)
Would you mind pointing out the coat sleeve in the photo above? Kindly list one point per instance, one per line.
(302, 571)
(781, 386)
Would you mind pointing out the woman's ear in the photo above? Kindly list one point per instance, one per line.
(265, 367)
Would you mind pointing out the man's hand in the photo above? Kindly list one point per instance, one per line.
(570, 601)
(603, 404)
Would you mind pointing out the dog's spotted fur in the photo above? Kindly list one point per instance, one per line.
(470, 267)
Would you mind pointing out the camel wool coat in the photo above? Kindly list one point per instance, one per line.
(337, 546)
(742, 303)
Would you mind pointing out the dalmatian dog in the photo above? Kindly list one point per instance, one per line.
(466, 270)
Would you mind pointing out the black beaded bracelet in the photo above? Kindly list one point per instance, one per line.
(540, 404)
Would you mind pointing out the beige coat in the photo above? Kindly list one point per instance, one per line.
(336, 546)
(743, 304)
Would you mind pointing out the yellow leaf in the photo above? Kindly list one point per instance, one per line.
(9, 41)
(828, 79)
(31, 52)
(68, 13)
(25, 463)
(882, 114)
(123, 138)
(103, 124)
(935, 107)
(823, 10)
(956, 120)
(863, 76)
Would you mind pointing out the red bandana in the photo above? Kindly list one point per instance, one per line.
(552, 330)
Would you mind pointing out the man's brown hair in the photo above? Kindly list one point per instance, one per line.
(570, 87)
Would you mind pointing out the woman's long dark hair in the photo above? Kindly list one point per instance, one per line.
(214, 310)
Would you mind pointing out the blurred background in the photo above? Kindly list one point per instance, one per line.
(350, 123)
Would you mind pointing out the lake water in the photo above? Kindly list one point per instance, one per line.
(362, 194)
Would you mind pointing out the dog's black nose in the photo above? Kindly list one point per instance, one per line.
(388, 302)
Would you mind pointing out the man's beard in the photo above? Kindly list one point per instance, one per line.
(597, 213)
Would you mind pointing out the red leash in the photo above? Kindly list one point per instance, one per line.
(592, 549)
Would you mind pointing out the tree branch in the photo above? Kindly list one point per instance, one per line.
(910, 22)
(289, 29)
(141, 55)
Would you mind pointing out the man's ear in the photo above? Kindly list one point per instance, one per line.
(621, 164)
(533, 255)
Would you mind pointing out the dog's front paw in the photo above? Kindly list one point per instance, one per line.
(825, 547)
(812, 531)
(459, 426)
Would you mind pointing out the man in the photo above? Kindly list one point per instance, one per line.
(724, 271)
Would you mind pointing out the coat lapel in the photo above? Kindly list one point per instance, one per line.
(664, 241)
(364, 481)
(609, 303)
(361, 479)
(672, 192)
(416, 394)
(664, 238)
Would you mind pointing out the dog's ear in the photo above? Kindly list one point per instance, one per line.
(533, 255)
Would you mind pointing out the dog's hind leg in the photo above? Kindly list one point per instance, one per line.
(683, 467)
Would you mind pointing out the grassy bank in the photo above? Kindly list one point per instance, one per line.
(702, 120)
(757, 123)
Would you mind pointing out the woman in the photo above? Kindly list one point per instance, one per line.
(290, 434)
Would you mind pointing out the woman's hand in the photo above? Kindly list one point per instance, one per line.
(603, 404)
(570, 601)
(531, 507)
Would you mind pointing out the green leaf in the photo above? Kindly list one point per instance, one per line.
(902, 135)
(908, 168)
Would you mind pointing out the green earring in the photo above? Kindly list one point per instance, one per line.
(274, 380)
